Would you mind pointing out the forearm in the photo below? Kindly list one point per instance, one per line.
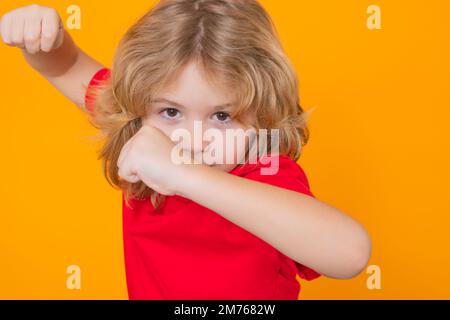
(56, 62)
(303, 228)
(67, 68)
(72, 74)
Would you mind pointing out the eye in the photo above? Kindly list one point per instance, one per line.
(222, 117)
(170, 113)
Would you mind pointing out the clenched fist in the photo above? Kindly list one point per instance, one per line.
(147, 157)
(33, 28)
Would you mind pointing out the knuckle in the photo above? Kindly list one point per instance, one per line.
(51, 12)
(31, 37)
(45, 49)
(134, 167)
(16, 39)
(5, 18)
(48, 35)
(34, 6)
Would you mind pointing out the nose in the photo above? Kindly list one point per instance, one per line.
(198, 144)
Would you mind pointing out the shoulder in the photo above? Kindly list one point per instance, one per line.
(277, 170)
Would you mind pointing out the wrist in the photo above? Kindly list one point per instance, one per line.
(189, 178)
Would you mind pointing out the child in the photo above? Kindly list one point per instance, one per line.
(215, 230)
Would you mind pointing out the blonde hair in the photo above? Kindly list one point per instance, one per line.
(235, 43)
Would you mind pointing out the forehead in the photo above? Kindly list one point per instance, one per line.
(192, 88)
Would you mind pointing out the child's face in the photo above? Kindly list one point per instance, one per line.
(192, 99)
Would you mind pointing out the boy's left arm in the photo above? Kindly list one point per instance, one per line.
(307, 230)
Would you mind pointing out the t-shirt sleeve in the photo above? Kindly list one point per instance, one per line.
(289, 176)
(96, 79)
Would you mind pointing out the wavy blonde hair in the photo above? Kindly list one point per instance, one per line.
(235, 43)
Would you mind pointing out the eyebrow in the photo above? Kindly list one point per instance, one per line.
(179, 105)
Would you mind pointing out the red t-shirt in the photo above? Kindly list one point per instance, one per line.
(187, 251)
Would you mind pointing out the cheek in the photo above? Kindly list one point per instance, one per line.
(236, 148)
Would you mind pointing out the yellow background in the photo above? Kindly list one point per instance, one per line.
(379, 149)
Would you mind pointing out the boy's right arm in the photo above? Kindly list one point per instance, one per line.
(49, 49)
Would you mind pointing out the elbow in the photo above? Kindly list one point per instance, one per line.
(359, 256)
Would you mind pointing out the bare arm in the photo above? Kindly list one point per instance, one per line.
(309, 231)
(49, 49)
